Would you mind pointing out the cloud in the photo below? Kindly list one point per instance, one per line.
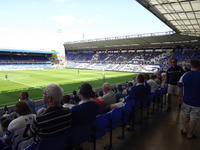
(60, 1)
(99, 16)
(82, 21)
(69, 20)
(36, 39)
(63, 19)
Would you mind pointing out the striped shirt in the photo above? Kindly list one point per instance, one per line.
(54, 121)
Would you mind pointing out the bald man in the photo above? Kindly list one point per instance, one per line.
(109, 96)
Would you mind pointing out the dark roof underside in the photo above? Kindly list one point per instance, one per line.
(26, 51)
(183, 16)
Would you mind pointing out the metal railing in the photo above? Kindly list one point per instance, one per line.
(123, 37)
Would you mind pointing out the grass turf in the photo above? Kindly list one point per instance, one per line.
(34, 81)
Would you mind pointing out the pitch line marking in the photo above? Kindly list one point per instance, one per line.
(24, 84)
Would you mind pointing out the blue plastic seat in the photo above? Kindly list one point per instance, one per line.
(115, 119)
(99, 127)
(30, 147)
(60, 142)
(80, 134)
(116, 116)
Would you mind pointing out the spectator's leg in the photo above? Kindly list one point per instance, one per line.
(185, 120)
(194, 118)
(192, 125)
(169, 102)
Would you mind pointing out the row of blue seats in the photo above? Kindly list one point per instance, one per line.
(103, 123)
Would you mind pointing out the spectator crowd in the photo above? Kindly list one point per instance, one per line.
(65, 114)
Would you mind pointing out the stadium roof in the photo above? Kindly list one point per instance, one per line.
(183, 16)
(27, 51)
(151, 40)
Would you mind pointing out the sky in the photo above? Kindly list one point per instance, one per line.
(47, 24)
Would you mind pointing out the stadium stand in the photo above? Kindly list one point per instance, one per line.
(129, 61)
(182, 43)
(11, 59)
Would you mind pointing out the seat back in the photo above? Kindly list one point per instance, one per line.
(59, 142)
(30, 147)
(116, 117)
(100, 125)
(80, 133)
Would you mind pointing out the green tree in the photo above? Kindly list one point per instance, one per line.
(54, 56)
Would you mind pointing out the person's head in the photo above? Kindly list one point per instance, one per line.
(153, 76)
(119, 87)
(6, 111)
(13, 115)
(76, 99)
(106, 87)
(74, 92)
(85, 91)
(174, 62)
(5, 121)
(22, 108)
(140, 78)
(101, 93)
(157, 74)
(186, 68)
(53, 95)
(130, 84)
(23, 95)
(163, 76)
(146, 76)
(195, 64)
(66, 99)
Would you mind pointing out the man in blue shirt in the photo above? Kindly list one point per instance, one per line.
(189, 92)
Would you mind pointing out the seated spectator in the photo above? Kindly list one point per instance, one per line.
(109, 96)
(97, 100)
(119, 93)
(118, 104)
(128, 89)
(100, 94)
(83, 115)
(85, 112)
(75, 98)
(17, 126)
(138, 93)
(133, 81)
(25, 97)
(55, 120)
(13, 115)
(186, 68)
(4, 122)
(67, 102)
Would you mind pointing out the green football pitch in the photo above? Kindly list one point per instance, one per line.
(34, 81)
